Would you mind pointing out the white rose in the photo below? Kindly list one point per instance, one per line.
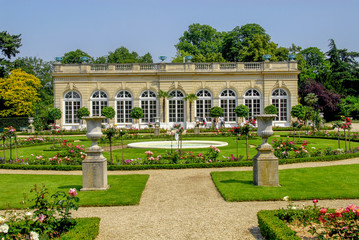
(2, 220)
(4, 228)
(28, 214)
(34, 236)
(294, 208)
(286, 198)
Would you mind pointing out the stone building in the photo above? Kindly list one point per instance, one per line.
(124, 86)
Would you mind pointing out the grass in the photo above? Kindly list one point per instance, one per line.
(124, 189)
(334, 182)
(85, 229)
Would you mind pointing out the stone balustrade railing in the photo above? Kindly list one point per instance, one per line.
(176, 67)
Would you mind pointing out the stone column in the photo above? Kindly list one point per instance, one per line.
(94, 167)
(265, 163)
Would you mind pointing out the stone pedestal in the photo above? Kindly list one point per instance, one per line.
(94, 167)
(265, 163)
(31, 127)
(196, 130)
(157, 131)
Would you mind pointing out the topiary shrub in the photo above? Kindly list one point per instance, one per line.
(108, 112)
(298, 111)
(216, 112)
(271, 109)
(54, 114)
(82, 112)
(136, 113)
(242, 111)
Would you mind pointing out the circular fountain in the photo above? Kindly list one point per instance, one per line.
(174, 144)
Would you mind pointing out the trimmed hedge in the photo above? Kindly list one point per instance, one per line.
(273, 228)
(85, 229)
(14, 122)
(179, 166)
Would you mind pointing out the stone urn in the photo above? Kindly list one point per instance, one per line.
(94, 167)
(265, 163)
(31, 127)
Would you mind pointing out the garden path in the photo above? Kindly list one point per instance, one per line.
(185, 204)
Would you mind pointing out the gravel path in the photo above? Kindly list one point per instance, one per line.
(184, 204)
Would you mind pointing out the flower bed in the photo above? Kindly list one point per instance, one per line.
(323, 223)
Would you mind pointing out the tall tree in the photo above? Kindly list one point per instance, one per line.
(75, 57)
(18, 94)
(42, 70)
(123, 55)
(190, 98)
(239, 38)
(9, 45)
(200, 40)
(257, 47)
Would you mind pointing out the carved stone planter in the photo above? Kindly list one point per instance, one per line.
(94, 167)
(265, 163)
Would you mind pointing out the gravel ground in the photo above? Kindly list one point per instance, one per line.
(185, 204)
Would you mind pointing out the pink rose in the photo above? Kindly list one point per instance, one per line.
(72, 192)
(323, 210)
(315, 200)
(42, 217)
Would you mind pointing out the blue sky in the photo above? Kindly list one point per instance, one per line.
(51, 28)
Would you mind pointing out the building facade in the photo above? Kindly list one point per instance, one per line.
(124, 86)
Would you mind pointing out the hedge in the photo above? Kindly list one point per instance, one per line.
(179, 166)
(85, 229)
(273, 228)
(14, 122)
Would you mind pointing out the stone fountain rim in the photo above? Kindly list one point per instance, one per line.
(265, 115)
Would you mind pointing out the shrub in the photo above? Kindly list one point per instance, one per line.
(82, 112)
(136, 113)
(298, 111)
(271, 109)
(15, 122)
(242, 110)
(54, 114)
(216, 112)
(108, 112)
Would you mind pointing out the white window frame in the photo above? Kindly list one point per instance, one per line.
(283, 98)
(126, 99)
(72, 99)
(228, 112)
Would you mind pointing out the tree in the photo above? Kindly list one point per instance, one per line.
(9, 45)
(271, 109)
(73, 57)
(200, 41)
(123, 55)
(349, 106)
(298, 112)
(136, 113)
(82, 112)
(54, 114)
(42, 70)
(108, 112)
(190, 98)
(257, 47)
(235, 40)
(18, 94)
(242, 111)
(164, 95)
(216, 112)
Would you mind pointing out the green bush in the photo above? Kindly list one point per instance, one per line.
(82, 112)
(136, 113)
(273, 228)
(108, 112)
(242, 110)
(85, 229)
(216, 112)
(271, 109)
(54, 114)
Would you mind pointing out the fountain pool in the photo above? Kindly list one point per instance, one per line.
(174, 144)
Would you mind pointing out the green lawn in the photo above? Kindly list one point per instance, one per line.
(124, 189)
(334, 182)
(129, 153)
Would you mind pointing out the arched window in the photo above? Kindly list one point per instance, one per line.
(252, 99)
(203, 103)
(99, 100)
(280, 101)
(123, 106)
(149, 106)
(72, 102)
(176, 106)
(228, 103)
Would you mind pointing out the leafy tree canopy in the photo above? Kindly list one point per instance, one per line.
(73, 57)
(136, 113)
(82, 112)
(216, 112)
(9, 45)
(123, 55)
(108, 112)
(242, 110)
(18, 94)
